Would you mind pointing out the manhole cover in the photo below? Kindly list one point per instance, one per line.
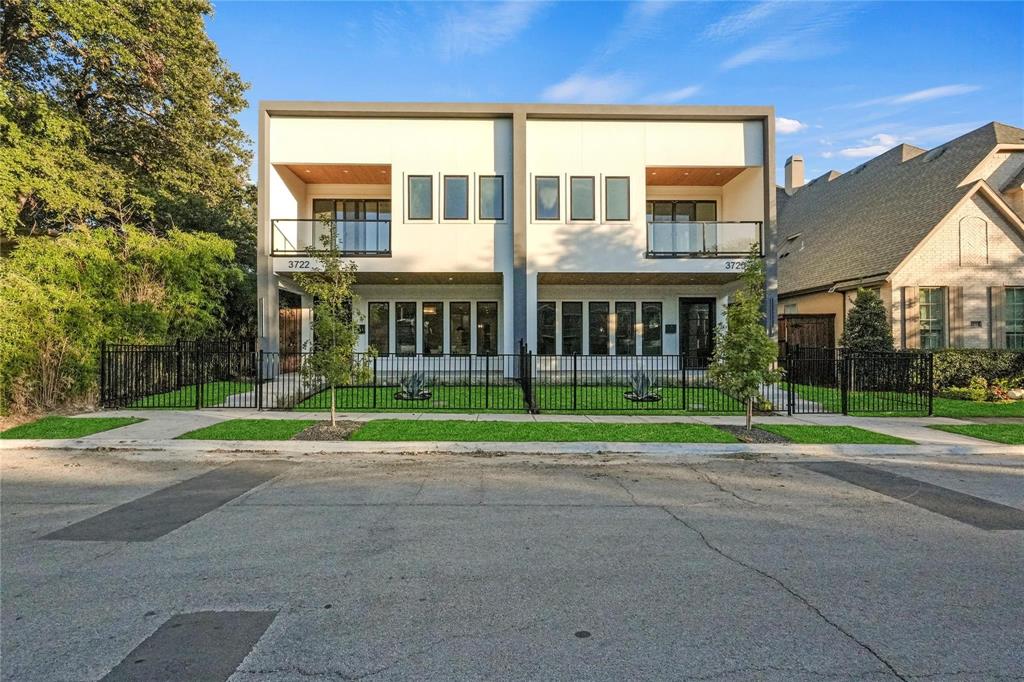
(582, 634)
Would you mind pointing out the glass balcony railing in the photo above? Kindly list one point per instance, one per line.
(294, 236)
(701, 239)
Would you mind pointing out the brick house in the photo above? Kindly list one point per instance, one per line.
(938, 233)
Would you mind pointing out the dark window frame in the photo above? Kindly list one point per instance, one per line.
(554, 328)
(580, 332)
(423, 327)
(1014, 337)
(675, 206)
(387, 326)
(593, 198)
(414, 327)
(558, 198)
(661, 329)
(632, 328)
(607, 217)
(451, 330)
(497, 328)
(480, 193)
(408, 203)
(444, 202)
(607, 327)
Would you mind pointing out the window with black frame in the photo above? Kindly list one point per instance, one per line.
(433, 328)
(651, 320)
(1015, 318)
(378, 327)
(625, 328)
(405, 328)
(572, 328)
(581, 198)
(460, 327)
(492, 197)
(546, 319)
(421, 197)
(597, 324)
(456, 197)
(487, 328)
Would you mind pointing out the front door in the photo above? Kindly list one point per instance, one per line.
(696, 330)
(290, 338)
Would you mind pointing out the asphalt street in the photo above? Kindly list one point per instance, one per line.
(390, 567)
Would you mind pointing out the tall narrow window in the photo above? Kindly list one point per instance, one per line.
(492, 197)
(487, 328)
(545, 197)
(598, 327)
(421, 197)
(405, 328)
(377, 327)
(545, 328)
(625, 328)
(932, 312)
(581, 198)
(616, 198)
(433, 328)
(1015, 318)
(651, 313)
(572, 328)
(460, 328)
(456, 197)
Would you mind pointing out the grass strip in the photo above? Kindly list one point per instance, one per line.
(825, 435)
(214, 395)
(553, 432)
(67, 427)
(250, 429)
(1011, 434)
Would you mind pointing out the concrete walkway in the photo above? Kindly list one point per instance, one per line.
(162, 426)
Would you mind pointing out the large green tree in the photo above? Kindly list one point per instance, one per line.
(867, 328)
(119, 112)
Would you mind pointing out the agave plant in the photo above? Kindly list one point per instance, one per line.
(643, 390)
(413, 387)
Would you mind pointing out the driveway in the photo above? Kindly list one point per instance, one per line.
(392, 567)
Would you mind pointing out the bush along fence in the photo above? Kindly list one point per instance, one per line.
(233, 374)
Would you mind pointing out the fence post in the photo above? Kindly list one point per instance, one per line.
(259, 379)
(374, 382)
(686, 387)
(844, 377)
(487, 382)
(790, 380)
(574, 357)
(199, 377)
(103, 373)
(177, 354)
(931, 382)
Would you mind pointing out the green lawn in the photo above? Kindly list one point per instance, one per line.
(66, 427)
(865, 403)
(851, 435)
(1011, 434)
(214, 393)
(413, 430)
(946, 407)
(549, 399)
(250, 429)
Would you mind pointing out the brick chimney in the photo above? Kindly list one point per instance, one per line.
(794, 174)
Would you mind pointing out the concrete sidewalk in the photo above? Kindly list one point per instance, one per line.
(161, 425)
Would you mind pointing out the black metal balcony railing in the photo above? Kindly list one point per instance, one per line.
(295, 236)
(702, 239)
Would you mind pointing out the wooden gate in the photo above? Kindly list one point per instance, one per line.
(290, 338)
(806, 331)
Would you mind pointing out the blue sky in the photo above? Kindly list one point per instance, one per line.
(848, 80)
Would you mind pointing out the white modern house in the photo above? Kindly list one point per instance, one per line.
(579, 229)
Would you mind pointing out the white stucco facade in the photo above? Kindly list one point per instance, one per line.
(514, 259)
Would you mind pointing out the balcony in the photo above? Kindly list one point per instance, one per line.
(350, 238)
(702, 239)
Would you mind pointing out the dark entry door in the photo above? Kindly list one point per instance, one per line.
(696, 330)
(290, 338)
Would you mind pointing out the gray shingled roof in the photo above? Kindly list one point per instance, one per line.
(863, 223)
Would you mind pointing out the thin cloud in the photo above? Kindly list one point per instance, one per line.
(926, 95)
(672, 96)
(743, 21)
(640, 20)
(788, 126)
(875, 145)
(580, 87)
(477, 28)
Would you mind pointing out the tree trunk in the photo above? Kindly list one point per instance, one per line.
(750, 412)
(334, 421)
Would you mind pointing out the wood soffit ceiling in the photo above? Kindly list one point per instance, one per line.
(697, 176)
(593, 278)
(342, 173)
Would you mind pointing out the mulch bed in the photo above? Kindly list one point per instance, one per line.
(754, 435)
(324, 431)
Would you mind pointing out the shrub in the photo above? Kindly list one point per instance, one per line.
(976, 391)
(866, 328)
(955, 367)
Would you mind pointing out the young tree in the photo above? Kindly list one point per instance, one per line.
(333, 358)
(867, 328)
(744, 353)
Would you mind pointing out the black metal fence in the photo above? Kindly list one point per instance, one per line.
(234, 374)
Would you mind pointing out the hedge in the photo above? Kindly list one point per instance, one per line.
(957, 366)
